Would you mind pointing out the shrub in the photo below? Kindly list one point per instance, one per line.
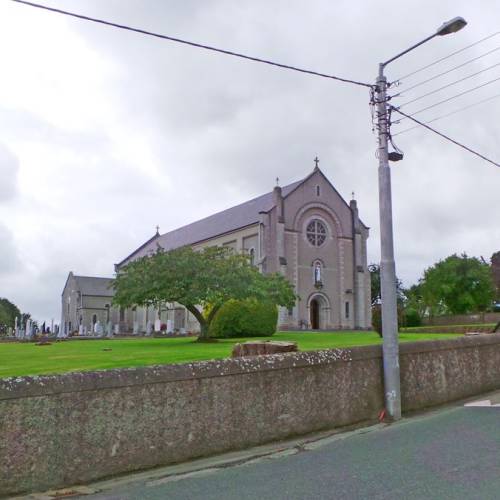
(412, 317)
(377, 318)
(246, 318)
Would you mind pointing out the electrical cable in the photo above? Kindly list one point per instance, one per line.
(186, 42)
(448, 114)
(452, 97)
(450, 70)
(446, 137)
(445, 57)
(446, 86)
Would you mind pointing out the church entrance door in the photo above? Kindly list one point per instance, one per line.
(314, 312)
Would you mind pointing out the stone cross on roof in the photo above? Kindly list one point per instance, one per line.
(316, 161)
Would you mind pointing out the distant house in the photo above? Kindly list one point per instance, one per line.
(87, 300)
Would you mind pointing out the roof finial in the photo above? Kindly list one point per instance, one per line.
(277, 181)
(157, 230)
(316, 161)
(352, 195)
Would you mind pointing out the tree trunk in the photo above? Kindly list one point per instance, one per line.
(201, 320)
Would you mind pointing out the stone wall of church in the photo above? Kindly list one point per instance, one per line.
(69, 303)
(338, 296)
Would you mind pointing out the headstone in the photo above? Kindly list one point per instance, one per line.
(16, 328)
(135, 329)
(182, 331)
(109, 330)
(116, 329)
(29, 329)
(80, 330)
(157, 325)
(170, 328)
(98, 329)
(149, 328)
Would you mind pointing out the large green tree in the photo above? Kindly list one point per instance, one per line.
(202, 281)
(457, 285)
(8, 313)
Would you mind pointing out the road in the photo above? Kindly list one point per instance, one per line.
(451, 453)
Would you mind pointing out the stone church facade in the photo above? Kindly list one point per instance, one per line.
(304, 230)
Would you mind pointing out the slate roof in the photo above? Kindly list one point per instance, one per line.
(217, 224)
(91, 285)
(222, 222)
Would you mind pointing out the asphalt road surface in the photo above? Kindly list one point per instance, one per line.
(452, 453)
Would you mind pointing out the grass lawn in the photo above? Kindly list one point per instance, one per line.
(18, 359)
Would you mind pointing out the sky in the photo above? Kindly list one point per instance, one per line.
(105, 134)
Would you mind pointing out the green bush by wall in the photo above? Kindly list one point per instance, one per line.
(412, 317)
(247, 318)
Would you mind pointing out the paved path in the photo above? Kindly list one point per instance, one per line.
(453, 453)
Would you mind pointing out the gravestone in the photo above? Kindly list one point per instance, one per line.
(98, 329)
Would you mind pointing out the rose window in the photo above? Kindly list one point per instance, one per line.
(316, 232)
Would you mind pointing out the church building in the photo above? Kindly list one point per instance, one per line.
(304, 230)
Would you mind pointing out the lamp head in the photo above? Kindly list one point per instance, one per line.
(451, 26)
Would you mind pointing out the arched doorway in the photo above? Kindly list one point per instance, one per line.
(314, 314)
(319, 312)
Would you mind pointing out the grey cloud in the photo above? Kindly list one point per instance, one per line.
(9, 254)
(9, 167)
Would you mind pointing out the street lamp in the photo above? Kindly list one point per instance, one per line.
(387, 265)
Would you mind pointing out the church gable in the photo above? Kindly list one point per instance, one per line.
(317, 191)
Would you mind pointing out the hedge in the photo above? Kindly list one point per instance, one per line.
(246, 318)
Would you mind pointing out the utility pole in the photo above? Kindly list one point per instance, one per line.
(387, 265)
(390, 346)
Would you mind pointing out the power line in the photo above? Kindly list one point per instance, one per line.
(443, 58)
(451, 69)
(447, 85)
(449, 114)
(453, 97)
(446, 137)
(186, 42)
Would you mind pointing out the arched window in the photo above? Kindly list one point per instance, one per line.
(316, 232)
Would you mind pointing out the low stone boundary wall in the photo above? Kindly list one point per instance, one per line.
(450, 329)
(66, 429)
(463, 319)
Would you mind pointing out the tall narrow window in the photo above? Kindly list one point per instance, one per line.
(347, 310)
(317, 191)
